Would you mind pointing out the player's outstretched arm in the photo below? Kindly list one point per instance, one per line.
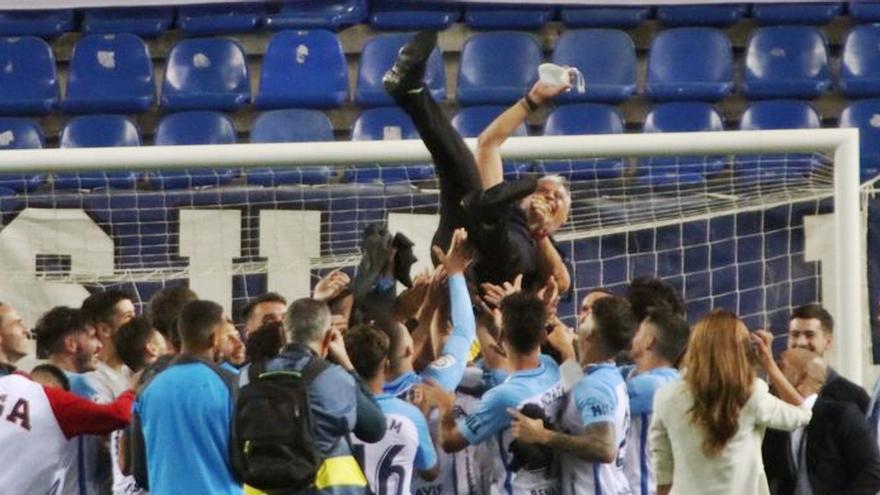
(488, 155)
(595, 444)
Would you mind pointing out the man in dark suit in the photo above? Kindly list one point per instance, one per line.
(834, 453)
(812, 328)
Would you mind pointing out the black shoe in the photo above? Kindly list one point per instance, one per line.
(409, 69)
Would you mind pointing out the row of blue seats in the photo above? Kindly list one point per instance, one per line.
(404, 15)
(386, 123)
(307, 69)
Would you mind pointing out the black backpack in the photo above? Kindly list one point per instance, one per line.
(273, 423)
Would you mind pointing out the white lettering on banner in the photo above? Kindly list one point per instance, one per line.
(289, 239)
(43, 231)
(419, 228)
(211, 239)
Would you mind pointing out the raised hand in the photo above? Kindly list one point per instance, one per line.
(331, 286)
(495, 293)
(526, 429)
(459, 255)
(541, 93)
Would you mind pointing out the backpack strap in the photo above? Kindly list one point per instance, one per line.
(315, 367)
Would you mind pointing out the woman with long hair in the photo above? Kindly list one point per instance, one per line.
(707, 428)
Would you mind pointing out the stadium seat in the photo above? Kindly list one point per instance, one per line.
(19, 134)
(860, 63)
(98, 131)
(402, 15)
(206, 74)
(304, 69)
(796, 13)
(583, 118)
(865, 115)
(193, 128)
(690, 64)
(28, 83)
(377, 56)
(864, 11)
(777, 114)
(385, 124)
(609, 66)
(497, 68)
(681, 171)
(786, 62)
(290, 126)
(206, 20)
(507, 16)
(148, 22)
(470, 122)
(318, 14)
(44, 23)
(109, 73)
(701, 15)
(610, 17)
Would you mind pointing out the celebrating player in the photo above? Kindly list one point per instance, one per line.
(509, 222)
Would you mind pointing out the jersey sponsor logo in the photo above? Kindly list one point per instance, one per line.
(554, 394)
(430, 490)
(20, 413)
(597, 408)
(395, 425)
(443, 362)
(547, 490)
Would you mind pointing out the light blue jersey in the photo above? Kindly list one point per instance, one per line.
(641, 388)
(540, 386)
(86, 473)
(406, 448)
(599, 397)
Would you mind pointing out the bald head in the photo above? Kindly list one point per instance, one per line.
(805, 369)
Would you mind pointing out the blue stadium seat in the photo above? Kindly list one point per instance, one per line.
(507, 16)
(610, 17)
(28, 83)
(777, 114)
(44, 23)
(318, 14)
(377, 56)
(687, 170)
(865, 115)
(470, 122)
(497, 68)
(860, 63)
(690, 64)
(98, 131)
(701, 15)
(786, 62)
(206, 20)
(147, 22)
(864, 11)
(109, 73)
(206, 74)
(609, 65)
(19, 134)
(384, 124)
(303, 69)
(583, 118)
(402, 15)
(193, 128)
(796, 13)
(290, 126)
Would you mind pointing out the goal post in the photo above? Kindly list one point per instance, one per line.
(840, 146)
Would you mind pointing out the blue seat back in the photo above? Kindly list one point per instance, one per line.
(683, 117)
(389, 123)
(202, 20)
(786, 62)
(777, 114)
(199, 127)
(609, 65)
(860, 67)
(507, 16)
(690, 64)
(577, 119)
(325, 14)
(780, 114)
(402, 15)
(99, 131)
(497, 68)
(796, 13)
(291, 125)
(610, 17)
(471, 121)
(148, 22)
(378, 55)
(864, 11)
(44, 23)
(701, 15)
(865, 116)
(304, 69)
(28, 83)
(206, 74)
(19, 134)
(109, 73)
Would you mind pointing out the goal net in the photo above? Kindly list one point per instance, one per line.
(754, 222)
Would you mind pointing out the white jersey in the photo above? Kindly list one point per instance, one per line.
(641, 389)
(407, 447)
(599, 397)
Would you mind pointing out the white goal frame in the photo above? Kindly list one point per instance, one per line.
(840, 144)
